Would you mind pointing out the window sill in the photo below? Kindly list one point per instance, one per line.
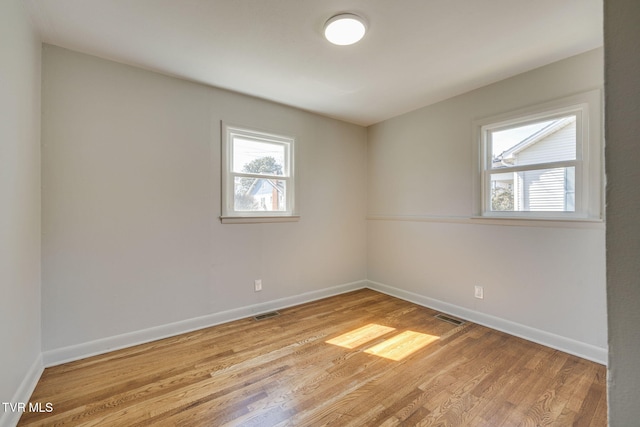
(586, 223)
(540, 221)
(258, 219)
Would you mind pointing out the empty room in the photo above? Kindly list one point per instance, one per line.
(294, 212)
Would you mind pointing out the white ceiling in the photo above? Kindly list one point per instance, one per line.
(417, 52)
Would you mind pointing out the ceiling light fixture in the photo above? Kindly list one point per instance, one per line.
(345, 29)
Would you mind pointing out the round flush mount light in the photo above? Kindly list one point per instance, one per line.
(345, 29)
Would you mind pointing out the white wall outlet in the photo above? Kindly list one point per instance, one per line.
(257, 285)
(479, 292)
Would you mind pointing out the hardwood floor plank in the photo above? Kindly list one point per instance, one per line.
(357, 359)
(590, 404)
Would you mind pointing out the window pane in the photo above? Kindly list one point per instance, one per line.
(541, 142)
(543, 190)
(570, 189)
(259, 194)
(251, 156)
(502, 192)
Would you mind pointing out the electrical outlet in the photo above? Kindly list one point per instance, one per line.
(257, 285)
(479, 292)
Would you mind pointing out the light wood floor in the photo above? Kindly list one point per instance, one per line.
(358, 359)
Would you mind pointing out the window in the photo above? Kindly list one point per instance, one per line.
(257, 175)
(542, 163)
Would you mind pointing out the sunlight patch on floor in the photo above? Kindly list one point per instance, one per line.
(360, 336)
(402, 345)
(395, 348)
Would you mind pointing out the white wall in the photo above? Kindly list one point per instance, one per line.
(423, 245)
(131, 200)
(622, 68)
(19, 205)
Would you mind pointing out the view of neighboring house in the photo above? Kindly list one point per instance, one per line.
(539, 189)
(261, 195)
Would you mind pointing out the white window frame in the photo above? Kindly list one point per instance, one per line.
(588, 164)
(229, 214)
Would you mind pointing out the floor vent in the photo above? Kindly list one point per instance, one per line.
(266, 315)
(449, 319)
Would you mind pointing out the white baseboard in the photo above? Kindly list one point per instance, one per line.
(568, 345)
(105, 345)
(24, 392)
